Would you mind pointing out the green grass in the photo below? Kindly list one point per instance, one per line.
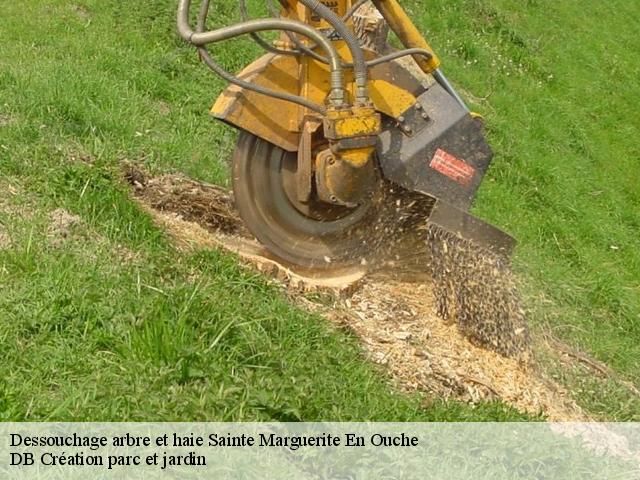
(115, 324)
(556, 82)
(111, 323)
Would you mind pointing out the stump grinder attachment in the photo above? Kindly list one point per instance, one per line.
(336, 127)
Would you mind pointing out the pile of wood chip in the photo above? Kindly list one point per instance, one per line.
(400, 329)
(392, 310)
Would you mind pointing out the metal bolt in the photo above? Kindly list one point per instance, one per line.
(418, 106)
(425, 115)
(331, 160)
(407, 129)
(333, 198)
(401, 119)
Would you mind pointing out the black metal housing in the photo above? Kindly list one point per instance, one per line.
(436, 148)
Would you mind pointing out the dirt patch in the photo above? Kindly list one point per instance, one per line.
(62, 226)
(68, 229)
(5, 239)
(12, 202)
(207, 205)
(394, 310)
(81, 11)
(6, 120)
(163, 108)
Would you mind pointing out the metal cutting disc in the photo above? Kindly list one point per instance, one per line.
(313, 234)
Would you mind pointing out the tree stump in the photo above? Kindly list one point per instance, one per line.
(371, 28)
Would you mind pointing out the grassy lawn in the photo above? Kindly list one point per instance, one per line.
(113, 323)
(556, 81)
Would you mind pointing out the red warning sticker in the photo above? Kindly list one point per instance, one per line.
(454, 168)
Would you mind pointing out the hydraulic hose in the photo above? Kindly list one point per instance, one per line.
(353, 9)
(305, 50)
(302, 48)
(444, 83)
(359, 62)
(394, 55)
(202, 16)
(201, 39)
(299, 45)
(350, 39)
(211, 63)
(244, 15)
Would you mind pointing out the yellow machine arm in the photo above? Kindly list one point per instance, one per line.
(324, 122)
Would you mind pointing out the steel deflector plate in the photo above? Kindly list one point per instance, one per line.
(438, 150)
(471, 228)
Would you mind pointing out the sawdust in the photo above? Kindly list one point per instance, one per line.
(197, 214)
(473, 287)
(62, 226)
(400, 329)
(477, 290)
(393, 310)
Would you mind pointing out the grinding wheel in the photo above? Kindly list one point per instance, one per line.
(311, 234)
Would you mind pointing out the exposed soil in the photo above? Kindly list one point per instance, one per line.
(207, 205)
(6, 120)
(81, 11)
(393, 309)
(67, 230)
(5, 239)
(62, 225)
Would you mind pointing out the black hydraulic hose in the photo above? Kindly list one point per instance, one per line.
(204, 54)
(309, 50)
(202, 16)
(219, 70)
(395, 55)
(299, 45)
(244, 15)
(200, 39)
(359, 62)
(444, 83)
(303, 49)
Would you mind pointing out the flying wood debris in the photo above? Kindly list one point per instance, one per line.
(473, 287)
(476, 289)
(392, 310)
